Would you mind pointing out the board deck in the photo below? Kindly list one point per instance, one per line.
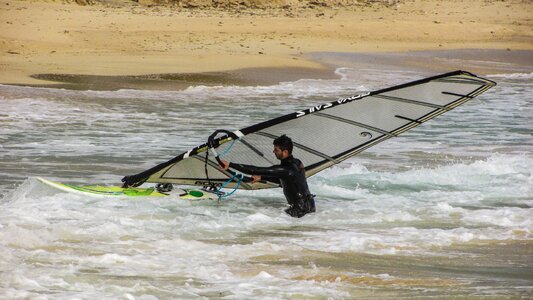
(116, 191)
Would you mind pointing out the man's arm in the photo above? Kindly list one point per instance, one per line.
(271, 179)
(271, 174)
(273, 171)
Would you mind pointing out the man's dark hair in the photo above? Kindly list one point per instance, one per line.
(284, 143)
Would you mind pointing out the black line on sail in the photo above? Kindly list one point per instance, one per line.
(458, 95)
(463, 81)
(254, 149)
(408, 119)
(422, 103)
(340, 119)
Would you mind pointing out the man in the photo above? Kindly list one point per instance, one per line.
(290, 173)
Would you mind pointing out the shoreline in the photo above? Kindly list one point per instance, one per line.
(478, 61)
(159, 47)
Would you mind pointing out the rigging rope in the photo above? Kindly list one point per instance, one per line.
(212, 146)
(227, 149)
(221, 195)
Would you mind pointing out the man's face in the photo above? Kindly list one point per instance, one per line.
(280, 154)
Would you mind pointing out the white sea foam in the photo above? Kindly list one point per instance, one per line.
(512, 76)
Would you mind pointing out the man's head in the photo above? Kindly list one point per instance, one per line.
(283, 147)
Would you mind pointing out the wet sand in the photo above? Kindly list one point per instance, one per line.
(179, 81)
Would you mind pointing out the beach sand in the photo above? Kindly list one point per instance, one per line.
(129, 45)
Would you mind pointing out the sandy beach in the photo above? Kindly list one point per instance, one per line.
(127, 44)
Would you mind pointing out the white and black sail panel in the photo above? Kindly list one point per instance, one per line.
(326, 134)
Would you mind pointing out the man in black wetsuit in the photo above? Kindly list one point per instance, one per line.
(290, 173)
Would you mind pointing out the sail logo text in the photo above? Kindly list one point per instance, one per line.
(328, 105)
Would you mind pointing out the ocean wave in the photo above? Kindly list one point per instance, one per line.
(512, 76)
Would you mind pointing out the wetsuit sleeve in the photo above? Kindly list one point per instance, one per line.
(269, 173)
(271, 179)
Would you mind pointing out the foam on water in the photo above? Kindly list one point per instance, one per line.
(525, 76)
(438, 211)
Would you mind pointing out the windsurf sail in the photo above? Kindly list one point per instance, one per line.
(323, 135)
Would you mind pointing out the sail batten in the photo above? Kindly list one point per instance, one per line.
(326, 134)
(411, 101)
(458, 95)
(354, 123)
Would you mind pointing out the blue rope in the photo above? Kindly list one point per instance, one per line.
(221, 195)
(219, 192)
(227, 149)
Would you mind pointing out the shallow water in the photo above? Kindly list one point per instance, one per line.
(444, 210)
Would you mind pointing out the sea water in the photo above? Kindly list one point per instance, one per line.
(444, 210)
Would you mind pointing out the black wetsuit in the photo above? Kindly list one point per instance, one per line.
(291, 175)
